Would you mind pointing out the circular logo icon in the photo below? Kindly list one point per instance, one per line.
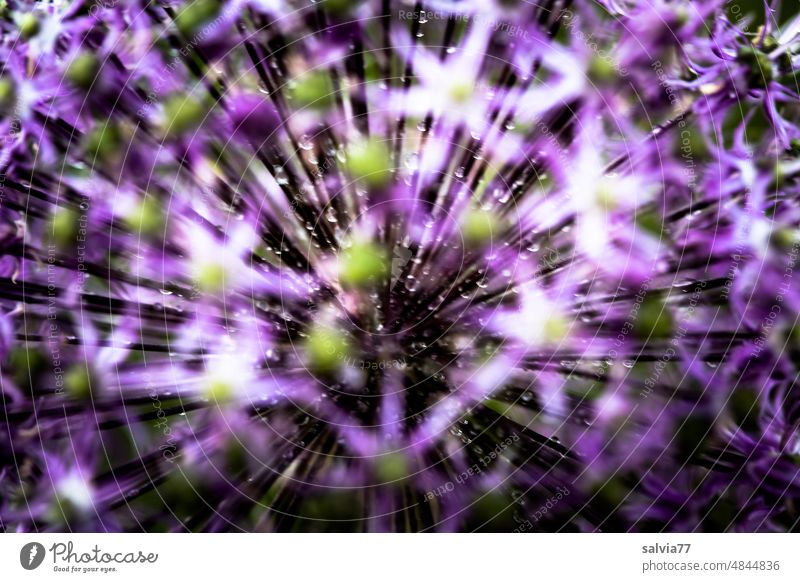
(31, 555)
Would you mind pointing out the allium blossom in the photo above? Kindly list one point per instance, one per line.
(282, 265)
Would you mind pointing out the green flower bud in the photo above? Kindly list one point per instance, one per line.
(83, 69)
(479, 227)
(461, 92)
(653, 320)
(103, 142)
(650, 222)
(147, 219)
(210, 277)
(391, 468)
(779, 175)
(370, 163)
(768, 45)
(338, 7)
(8, 95)
(219, 390)
(325, 349)
(682, 16)
(602, 70)
(196, 14)
(606, 192)
(556, 328)
(313, 89)
(78, 381)
(363, 264)
(28, 25)
(26, 364)
(64, 228)
(785, 238)
(183, 114)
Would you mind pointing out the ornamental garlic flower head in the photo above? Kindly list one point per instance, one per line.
(292, 265)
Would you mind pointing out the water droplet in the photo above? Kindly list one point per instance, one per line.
(305, 142)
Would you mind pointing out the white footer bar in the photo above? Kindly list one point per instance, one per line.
(399, 557)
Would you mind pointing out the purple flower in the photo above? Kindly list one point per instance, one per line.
(497, 266)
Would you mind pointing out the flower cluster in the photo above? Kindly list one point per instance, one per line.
(562, 234)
